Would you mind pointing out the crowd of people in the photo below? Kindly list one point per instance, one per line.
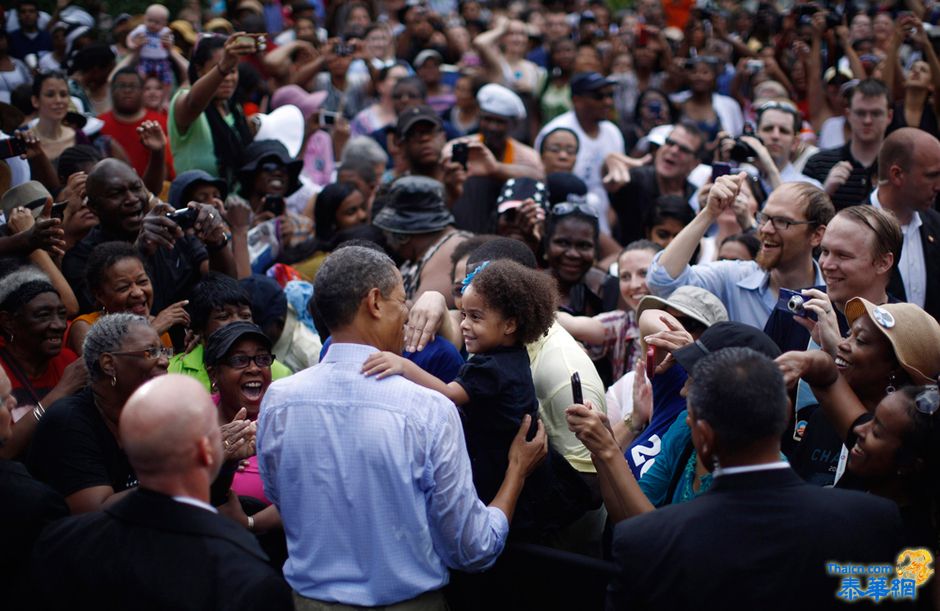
(429, 304)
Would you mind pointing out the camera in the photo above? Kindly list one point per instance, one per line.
(461, 153)
(742, 152)
(792, 302)
(342, 49)
(754, 65)
(274, 204)
(184, 217)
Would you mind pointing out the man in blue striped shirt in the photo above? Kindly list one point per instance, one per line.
(372, 477)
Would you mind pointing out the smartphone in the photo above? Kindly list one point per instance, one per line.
(274, 204)
(12, 147)
(650, 362)
(720, 168)
(792, 302)
(58, 210)
(184, 217)
(461, 153)
(247, 40)
(577, 396)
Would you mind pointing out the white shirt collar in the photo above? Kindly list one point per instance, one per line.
(915, 219)
(749, 468)
(188, 500)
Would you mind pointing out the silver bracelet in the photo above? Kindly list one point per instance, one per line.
(38, 412)
(251, 523)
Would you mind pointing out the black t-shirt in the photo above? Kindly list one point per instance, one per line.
(501, 391)
(173, 273)
(73, 449)
(855, 190)
(816, 457)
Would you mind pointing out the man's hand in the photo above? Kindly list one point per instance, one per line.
(151, 136)
(764, 162)
(527, 455)
(158, 231)
(209, 226)
(824, 330)
(454, 178)
(721, 195)
(424, 320)
(618, 169)
(669, 340)
(41, 233)
(174, 314)
(837, 177)
(237, 213)
(384, 364)
(74, 191)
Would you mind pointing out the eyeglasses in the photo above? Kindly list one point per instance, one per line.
(682, 147)
(928, 401)
(780, 223)
(152, 353)
(565, 209)
(557, 148)
(241, 361)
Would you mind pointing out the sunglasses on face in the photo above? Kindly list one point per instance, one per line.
(682, 147)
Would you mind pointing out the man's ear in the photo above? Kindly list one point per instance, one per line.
(373, 302)
(816, 238)
(884, 263)
(703, 438)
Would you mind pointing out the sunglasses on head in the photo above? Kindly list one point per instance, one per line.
(567, 208)
(927, 401)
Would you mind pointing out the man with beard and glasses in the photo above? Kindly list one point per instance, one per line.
(791, 225)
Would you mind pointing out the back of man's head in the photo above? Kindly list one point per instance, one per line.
(344, 280)
(168, 429)
(740, 393)
(502, 248)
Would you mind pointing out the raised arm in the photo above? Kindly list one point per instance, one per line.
(679, 253)
(384, 364)
(194, 102)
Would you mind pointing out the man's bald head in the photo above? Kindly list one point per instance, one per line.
(169, 426)
(909, 165)
(104, 169)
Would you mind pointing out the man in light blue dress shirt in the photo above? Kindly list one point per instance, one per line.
(372, 477)
(790, 226)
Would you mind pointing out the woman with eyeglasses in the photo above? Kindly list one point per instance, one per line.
(889, 347)
(118, 281)
(570, 252)
(76, 448)
(559, 150)
(238, 359)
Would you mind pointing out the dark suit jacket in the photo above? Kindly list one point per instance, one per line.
(930, 239)
(28, 506)
(151, 552)
(756, 540)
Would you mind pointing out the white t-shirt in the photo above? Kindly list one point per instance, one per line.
(152, 47)
(831, 133)
(591, 154)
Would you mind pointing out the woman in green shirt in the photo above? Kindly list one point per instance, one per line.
(207, 128)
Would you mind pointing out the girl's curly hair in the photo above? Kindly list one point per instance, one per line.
(528, 296)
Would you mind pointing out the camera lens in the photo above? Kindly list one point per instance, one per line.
(795, 304)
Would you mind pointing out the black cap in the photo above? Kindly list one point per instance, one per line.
(561, 185)
(414, 115)
(586, 82)
(189, 179)
(259, 150)
(725, 335)
(520, 189)
(220, 342)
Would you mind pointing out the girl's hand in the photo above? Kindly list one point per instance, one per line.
(384, 364)
(174, 314)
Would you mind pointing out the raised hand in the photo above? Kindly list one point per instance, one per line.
(151, 136)
(384, 364)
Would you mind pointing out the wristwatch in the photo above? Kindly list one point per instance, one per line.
(628, 420)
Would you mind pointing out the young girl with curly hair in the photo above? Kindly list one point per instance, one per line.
(505, 306)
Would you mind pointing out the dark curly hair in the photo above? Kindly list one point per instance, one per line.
(528, 296)
(102, 259)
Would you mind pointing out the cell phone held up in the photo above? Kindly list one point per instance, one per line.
(461, 153)
(792, 302)
(274, 204)
(185, 217)
(12, 147)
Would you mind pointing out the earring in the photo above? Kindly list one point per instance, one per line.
(716, 466)
(890, 387)
(113, 380)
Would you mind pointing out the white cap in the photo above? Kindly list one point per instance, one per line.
(425, 56)
(499, 100)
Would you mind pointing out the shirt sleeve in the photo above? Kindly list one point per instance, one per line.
(710, 276)
(480, 377)
(467, 534)
(655, 482)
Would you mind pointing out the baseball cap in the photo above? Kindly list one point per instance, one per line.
(914, 334)
(725, 335)
(517, 190)
(414, 115)
(425, 56)
(586, 82)
(220, 342)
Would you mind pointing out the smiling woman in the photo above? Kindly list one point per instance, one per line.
(118, 282)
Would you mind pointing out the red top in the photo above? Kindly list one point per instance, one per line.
(126, 135)
(43, 384)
